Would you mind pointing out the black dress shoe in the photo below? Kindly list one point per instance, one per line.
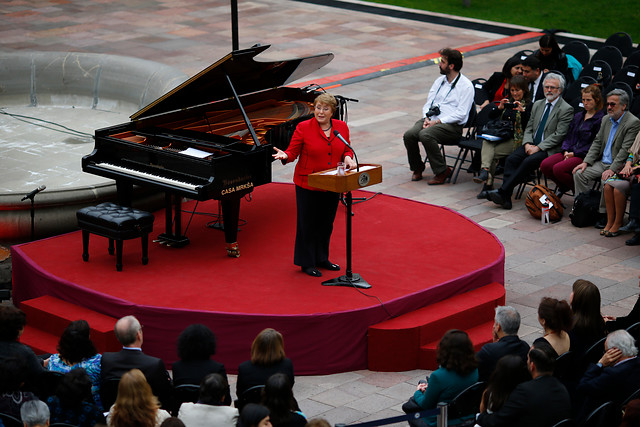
(483, 195)
(498, 198)
(481, 177)
(328, 265)
(634, 241)
(602, 223)
(632, 226)
(312, 271)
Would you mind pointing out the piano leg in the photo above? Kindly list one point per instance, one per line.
(230, 217)
(171, 237)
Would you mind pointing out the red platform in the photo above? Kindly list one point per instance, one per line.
(413, 254)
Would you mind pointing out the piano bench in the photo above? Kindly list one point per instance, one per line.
(117, 223)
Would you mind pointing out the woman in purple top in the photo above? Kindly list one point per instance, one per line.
(582, 132)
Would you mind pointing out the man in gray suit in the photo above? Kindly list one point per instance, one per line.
(610, 148)
(543, 136)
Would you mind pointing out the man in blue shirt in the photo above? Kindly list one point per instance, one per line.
(610, 148)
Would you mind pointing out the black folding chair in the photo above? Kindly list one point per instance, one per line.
(622, 41)
(470, 143)
(466, 404)
(602, 416)
(578, 50)
(480, 93)
(611, 55)
(10, 421)
(184, 393)
(599, 70)
(630, 74)
(633, 59)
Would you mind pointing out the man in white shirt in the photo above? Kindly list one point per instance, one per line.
(443, 116)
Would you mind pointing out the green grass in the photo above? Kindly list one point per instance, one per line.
(586, 17)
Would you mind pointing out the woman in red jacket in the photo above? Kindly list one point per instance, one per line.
(317, 148)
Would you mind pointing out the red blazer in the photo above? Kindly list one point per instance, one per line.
(316, 152)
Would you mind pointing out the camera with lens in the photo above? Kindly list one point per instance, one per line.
(433, 111)
(509, 105)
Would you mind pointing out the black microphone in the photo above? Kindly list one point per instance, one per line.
(33, 193)
(344, 141)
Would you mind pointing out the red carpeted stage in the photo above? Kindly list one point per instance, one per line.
(413, 254)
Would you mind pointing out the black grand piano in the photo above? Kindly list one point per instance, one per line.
(212, 137)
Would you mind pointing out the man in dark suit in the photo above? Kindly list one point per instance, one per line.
(614, 378)
(129, 332)
(610, 148)
(505, 341)
(543, 136)
(533, 74)
(543, 401)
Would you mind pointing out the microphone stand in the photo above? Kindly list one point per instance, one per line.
(33, 214)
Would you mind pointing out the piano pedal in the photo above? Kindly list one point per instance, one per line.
(233, 250)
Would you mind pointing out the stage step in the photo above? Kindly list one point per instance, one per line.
(47, 318)
(409, 341)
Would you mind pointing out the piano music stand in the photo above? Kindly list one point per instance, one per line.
(368, 174)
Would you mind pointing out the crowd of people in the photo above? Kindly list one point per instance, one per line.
(581, 361)
(575, 143)
(129, 388)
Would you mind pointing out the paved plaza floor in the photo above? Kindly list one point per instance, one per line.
(192, 34)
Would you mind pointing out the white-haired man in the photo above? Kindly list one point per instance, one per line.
(543, 136)
(616, 375)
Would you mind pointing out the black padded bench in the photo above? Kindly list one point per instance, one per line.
(117, 223)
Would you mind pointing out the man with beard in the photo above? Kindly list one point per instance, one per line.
(443, 116)
(543, 136)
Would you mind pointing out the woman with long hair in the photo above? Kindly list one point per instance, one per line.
(76, 350)
(516, 109)
(510, 371)
(457, 370)
(283, 408)
(551, 56)
(556, 319)
(254, 415)
(267, 358)
(588, 324)
(135, 406)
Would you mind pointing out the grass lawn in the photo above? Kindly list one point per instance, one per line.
(586, 17)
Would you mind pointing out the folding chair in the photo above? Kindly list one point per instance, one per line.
(470, 143)
(578, 50)
(611, 55)
(622, 41)
(599, 70)
(633, 59)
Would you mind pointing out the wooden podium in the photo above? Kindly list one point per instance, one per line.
(364, 176)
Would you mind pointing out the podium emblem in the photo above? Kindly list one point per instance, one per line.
(363, 179)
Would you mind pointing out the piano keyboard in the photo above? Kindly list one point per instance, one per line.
(152, 177)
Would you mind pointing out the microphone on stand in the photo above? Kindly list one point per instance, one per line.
(33, 193)
(344, 141)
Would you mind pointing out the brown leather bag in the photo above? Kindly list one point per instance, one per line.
(535, 207)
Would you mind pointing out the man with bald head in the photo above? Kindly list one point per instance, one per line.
(129, 333)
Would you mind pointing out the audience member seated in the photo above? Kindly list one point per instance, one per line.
(196, 345)
(533, 74)
(545, 131)
(72, 403)
(457, 370)
(12, 323)
(617, 188)
(267, 358)
(505, 341)
(35, 413)
(135, 406)
(12, 379)
(542, 401)
(497, 86)
(210, 409)
(609, 149)
(254, 415)
(614, 378)
(515, 109)
(283, 408)
(551, 57)
(318, 422)
(75, 350)
(613, 323)
(172, 422)
(588, 324)
(582, 131)
(510, 371)
(129, 332)
(556, 319)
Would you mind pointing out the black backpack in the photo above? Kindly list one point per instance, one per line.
(585, 209)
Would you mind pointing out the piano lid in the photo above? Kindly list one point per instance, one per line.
(246, 74)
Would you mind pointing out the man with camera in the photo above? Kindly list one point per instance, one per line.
(444, 115)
